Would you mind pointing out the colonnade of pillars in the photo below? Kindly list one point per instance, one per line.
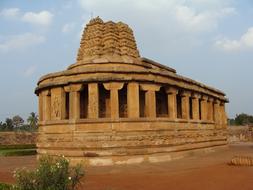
(179, 103)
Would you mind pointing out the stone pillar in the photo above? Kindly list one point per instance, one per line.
(172, 102)
(203, 105)
(74, 105)
(150, 99)
(216, 112)
(133, 106)
(210, 109)
(58, 97)
(185, 105)
(223, 115)
(46, 105)
(150, 103)
(40, 107)
(195, 106)
(93, 100)
(114, 98)
(74, 100)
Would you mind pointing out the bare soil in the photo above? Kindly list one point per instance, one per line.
(207, 171)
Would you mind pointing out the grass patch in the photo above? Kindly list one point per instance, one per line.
(17, 146)
(17, 152)
(4, 186)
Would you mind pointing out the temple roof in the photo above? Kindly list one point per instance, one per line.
(108, 52)
(106, 38)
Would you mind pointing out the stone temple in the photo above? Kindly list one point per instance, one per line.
(114, 107)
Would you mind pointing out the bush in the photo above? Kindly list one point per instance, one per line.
(4, 186)
(51, 174)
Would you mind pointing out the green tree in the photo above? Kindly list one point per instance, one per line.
(243, 119)
(8, 124)
(231, 121)
(2, 126)
(17, 121)
(33, 120)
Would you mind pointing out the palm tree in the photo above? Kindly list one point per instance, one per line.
(33, 120)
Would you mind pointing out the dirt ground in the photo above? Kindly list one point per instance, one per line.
(207, 171)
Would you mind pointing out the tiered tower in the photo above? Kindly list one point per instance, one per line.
(106, 38)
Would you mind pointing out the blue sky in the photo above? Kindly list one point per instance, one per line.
(210, 41)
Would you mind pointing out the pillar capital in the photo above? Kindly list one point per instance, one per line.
(150, 87)
(73, 88)
(210, 99)
(45, 92)
(204, 97)
(113, 85)
(216, 101)
(185, 93)
(195, 95)
(171, 90)
(222, 103)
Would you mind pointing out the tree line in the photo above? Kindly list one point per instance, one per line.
(241, 119)
(17, 123)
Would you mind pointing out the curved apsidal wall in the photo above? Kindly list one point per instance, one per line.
(114, 107)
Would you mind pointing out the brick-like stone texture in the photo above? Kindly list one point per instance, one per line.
(13, 138)
(240, 134)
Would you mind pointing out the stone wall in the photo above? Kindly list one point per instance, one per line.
(240, 134)
(12, 138)
(127, 141)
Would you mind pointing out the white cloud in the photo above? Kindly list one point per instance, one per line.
(192, 15)
(30, 71)
(68, 27)
(245, 42)
(22, 41)
(206, 20)
(228, 45)
(10, 13)
(192, 20)
(41, 18)
(247, 38)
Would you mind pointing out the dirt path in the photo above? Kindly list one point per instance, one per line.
(208, 171)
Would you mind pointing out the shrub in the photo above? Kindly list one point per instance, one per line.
(4, 186)
(51, 174)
